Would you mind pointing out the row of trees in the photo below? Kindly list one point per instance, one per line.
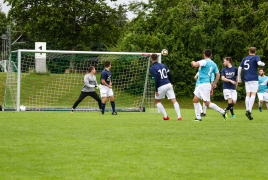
(67, 25)
(184, 27)
(187, 27)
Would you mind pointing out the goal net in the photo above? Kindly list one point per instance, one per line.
(52, 80)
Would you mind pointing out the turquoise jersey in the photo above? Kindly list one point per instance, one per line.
(205, 72)
(263, 84)
(212, 78)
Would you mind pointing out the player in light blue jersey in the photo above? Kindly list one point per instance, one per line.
(250, 65)
(262, 89)
(163, 86)
(206, 68)
(204, 110)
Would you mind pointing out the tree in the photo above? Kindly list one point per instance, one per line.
(65, 24)
(187, 27)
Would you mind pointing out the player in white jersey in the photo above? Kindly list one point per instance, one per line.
(262, 89)
(250, 65)
(206, 68)
(204, 110)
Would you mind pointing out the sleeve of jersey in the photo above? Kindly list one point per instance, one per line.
(103, 76)
(202, 62)
(264, 82)
(239, 73)
(169, 77)
(223, 73)
(155, 80)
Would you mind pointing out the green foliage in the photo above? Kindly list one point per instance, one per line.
(187, 27)
(66, 24)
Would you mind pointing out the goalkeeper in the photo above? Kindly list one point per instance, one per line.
(88, 89)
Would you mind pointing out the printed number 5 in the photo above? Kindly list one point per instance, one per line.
(246, 64)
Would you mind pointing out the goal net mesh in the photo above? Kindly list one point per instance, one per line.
(55, 83)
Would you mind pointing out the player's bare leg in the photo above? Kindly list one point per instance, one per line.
(177, 108)
(161, 108)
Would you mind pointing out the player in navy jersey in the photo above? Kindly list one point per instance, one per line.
(230, 81)
(163, 86)
(250, 65)
(262, 89)
(206, 68)
(106, 88)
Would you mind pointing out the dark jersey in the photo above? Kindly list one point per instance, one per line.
(159, 73)
(250, 66)
(106, 75)
(229, 73)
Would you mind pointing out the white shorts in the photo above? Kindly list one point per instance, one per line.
(252, 86)
(203, 91)
(165, 90)
(263, 97)
(230, 93)
(105, 91)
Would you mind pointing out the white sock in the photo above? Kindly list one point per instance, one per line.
(251, 102)
(204, 108)
(177, 109)
(267, 105)
(260, 104)
(161, 109)
(216, 108)
(247, 102)
(197, 110)
(200, 108)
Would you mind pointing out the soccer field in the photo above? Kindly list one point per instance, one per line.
(61, 145)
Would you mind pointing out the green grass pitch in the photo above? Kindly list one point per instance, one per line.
(87, 145)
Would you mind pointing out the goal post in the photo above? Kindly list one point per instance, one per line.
(59, 86)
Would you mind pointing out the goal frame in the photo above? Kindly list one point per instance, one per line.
(19, 51)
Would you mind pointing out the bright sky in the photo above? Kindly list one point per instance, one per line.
(130, 15)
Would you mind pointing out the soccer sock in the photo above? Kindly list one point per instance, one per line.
(102, 107)
(247, 102)
(161, 109)
(197, 111)
(113, 105)
(232, 110)
(229, 106)
(260, 104)
(200, 107)
(251, 102)
(267, 105)
(204, 108)
(177, 109)
(216, 108)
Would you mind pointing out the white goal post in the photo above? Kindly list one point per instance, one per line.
(60, 86)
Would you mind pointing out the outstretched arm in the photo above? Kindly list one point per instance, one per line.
(239, 74)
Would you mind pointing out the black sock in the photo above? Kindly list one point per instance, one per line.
(229, 106)
(232, 110)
